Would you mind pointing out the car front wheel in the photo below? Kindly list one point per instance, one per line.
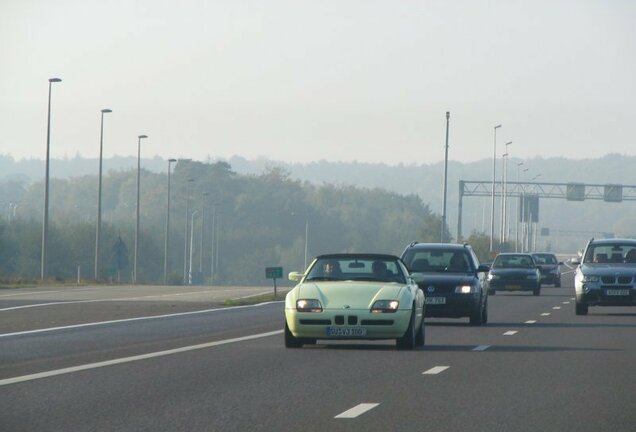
(581, 308)
(408, 340)
(290, 340)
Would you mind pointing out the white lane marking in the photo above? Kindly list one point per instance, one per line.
(557, 307)
(436, 370)
(357, 410)
(531, 322)
(510, 333)
(133, 358)
(120, 299)
(481, 348)
(74, 326)
(28, 293)
(566, 302)
(572, 298)
(545, 314)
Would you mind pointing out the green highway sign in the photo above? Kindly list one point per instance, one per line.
(273, 272)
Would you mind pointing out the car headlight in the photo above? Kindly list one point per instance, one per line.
(385, 306)
(492, 276)
(308, 305)
(590, 278)
(464, 289)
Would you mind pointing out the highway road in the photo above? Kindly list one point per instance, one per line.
(169, 359)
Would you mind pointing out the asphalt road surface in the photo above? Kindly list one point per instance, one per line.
(169, 359)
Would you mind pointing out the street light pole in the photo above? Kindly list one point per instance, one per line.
(139, 138)
(98, 230)
(445, 180)
(494, 169)
(194, 213)
(187, 229)
(518, 213)
(203, 206)
(504, 188)
(45, 223)
(165, 250)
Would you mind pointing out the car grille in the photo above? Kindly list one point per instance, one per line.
(610, 280)
(438, 288)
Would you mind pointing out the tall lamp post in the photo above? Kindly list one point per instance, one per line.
(98, 230)
(165, 249)
(494, 169)
(194, 213)
(187, 226)
(139, 138)
(203, 206)
(45, 223)
(445, 179)
(518, 212)
(504, 189)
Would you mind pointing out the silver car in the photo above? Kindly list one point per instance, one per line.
(606, 274)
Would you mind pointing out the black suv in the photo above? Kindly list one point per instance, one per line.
(452, 279)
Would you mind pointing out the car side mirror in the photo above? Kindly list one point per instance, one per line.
(295, 276)
(575, 261)
(483, 269)
(560, 262)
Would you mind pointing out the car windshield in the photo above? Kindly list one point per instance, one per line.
(545, 258)
(611, 253)
(513, 261)
(371, 269)
(437, 261)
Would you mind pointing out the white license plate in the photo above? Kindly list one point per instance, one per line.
(435, 300)
(346, 331)
(617, 292)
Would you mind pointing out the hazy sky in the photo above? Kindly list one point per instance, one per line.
(302, 80)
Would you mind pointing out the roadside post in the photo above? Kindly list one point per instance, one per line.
(274, 273)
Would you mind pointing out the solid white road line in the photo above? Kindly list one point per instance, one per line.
(357, 410)
(74, 326)
(481, 348)
(436, 370)
(531, 322)
(545, 314)
(133, 358)
(510, 333)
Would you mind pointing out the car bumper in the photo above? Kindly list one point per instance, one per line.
(607, 297)
(453, 306)
(352, 324)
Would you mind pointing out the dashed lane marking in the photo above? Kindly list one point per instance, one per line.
(481, 348)
(545, 314)
(557, 307)
(436, 370)
(357, 410)
(531, 322)
(566, 302)
(510, 333)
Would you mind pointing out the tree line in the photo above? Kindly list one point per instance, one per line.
(240, 224)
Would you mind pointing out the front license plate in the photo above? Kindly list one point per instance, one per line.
(346, 331)
(435, 300)
(617, 292)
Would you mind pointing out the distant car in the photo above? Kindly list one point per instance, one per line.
(452, 278)
(514, 272)
(606, 274)
(354, 296)
(550, 268)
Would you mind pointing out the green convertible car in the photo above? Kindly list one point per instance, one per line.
(354, 296)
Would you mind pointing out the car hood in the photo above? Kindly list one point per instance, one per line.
(609, 269)
(356, 295)
(446, 279)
